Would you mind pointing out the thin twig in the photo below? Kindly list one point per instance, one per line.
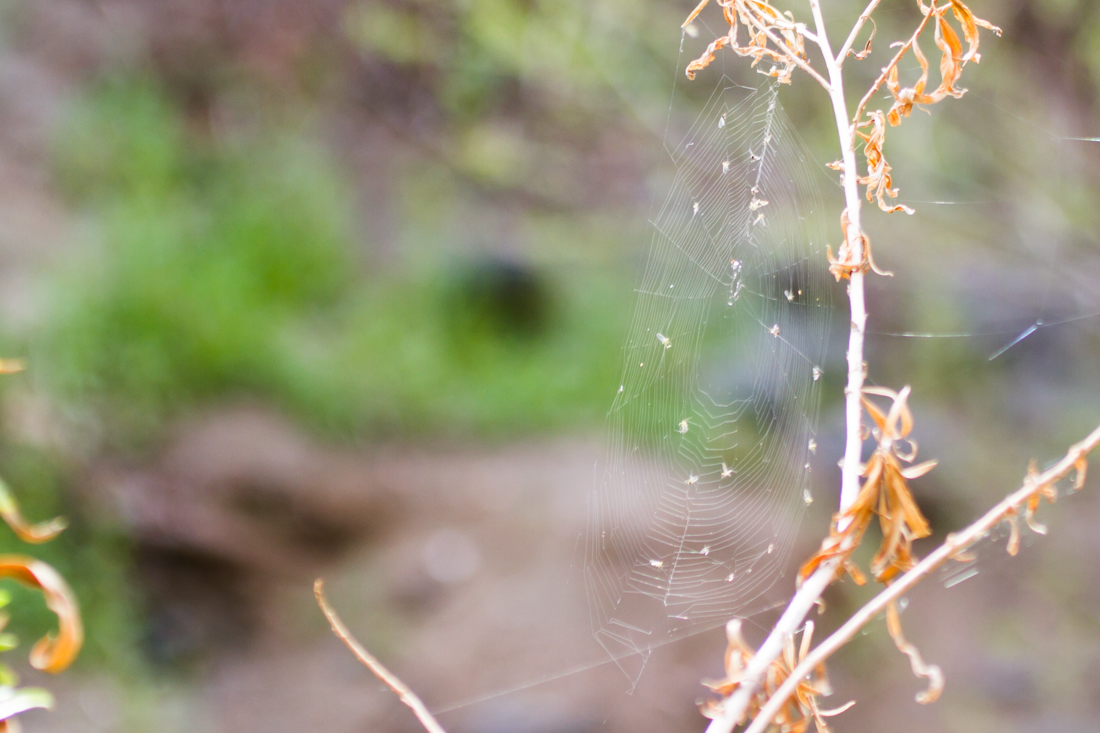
(842, 54)
(886, 70)
(402, 690)
(954, 544)
(795, 59)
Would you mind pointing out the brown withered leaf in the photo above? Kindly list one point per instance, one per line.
(877, 180)
(801, 708)
(885, 493)
(952, 59)
(920, 668)
(846, 260)
(704, 61)
(52, 653)
(867, 47)
(32, 533)
(759, 18)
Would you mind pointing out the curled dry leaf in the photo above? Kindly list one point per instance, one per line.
(846, 260)
(801, 708)
(765, 25)
(867, 47)
(952, 59)
(877, 180)
(32, 533)
(885, 493)
(930, 672)
(52, 653)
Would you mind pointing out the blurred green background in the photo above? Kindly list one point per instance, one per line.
(303, 284)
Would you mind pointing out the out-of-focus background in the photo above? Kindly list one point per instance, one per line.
(339, 288)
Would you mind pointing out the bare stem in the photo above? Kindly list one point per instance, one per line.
(391, 680)
(733, 708)
(954, 544)
(842, 54)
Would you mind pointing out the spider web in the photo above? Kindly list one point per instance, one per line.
(711, 431)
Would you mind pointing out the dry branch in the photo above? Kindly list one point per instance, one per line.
(1035, 486)
(403, 692)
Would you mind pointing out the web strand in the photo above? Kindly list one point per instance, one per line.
(712, 426)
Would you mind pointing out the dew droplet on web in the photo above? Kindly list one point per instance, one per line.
(807, 497)
(817, 373)
(812, 446)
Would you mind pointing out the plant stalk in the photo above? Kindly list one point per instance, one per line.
(734, 707)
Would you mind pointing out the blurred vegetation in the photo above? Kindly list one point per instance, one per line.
(230, 264)
(228, 270)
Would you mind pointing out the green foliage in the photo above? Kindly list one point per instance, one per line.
(224, 270)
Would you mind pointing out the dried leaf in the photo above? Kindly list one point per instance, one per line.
(877, 180)
(928, 671)
(51, 653)
(867, 47)
(801, 708)
(1014, 532)
(704, 61)
(885, 493)
(695, 13)
(32, 533)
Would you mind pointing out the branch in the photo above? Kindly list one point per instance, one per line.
(886, 70)
(952, 546)
(794, 58)
(402, 690)
(842, 54)
(734, 707)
